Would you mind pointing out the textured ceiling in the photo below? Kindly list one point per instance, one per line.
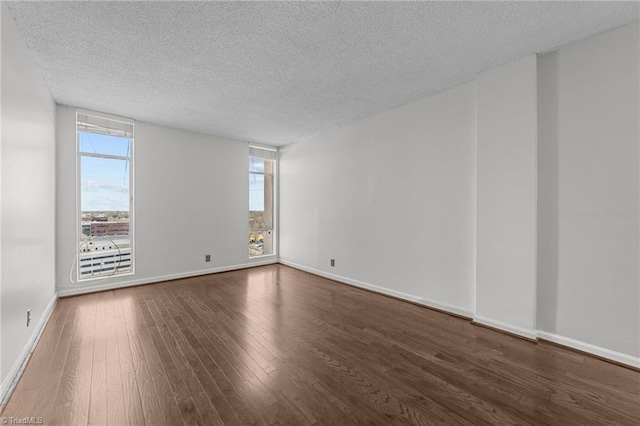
(275, 72)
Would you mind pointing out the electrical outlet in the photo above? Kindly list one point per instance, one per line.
(207, 258)
(333, 262)
(28, 317)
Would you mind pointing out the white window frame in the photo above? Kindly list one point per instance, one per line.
(276, 204)
(131, 238)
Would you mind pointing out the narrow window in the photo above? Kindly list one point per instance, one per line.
(105, 224)
(262, 165)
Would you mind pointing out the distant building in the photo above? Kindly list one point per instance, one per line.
(104, 229)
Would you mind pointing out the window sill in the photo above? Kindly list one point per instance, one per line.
(104, 277)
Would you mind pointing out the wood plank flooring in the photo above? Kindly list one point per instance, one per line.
(273, 345)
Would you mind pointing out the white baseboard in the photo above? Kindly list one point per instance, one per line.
(509, 328)
(591, 349)
(529, 334)
(446, 307)
(11, 380)
(400, 295)
(93, 286)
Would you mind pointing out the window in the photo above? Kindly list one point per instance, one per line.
(262, 164)
(105, 221)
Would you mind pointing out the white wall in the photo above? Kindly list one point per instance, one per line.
(589, 286)
(27, 151)
(392, 198)
(191, 199)
(506, 207)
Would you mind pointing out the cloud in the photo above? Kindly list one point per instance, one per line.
(96, 186)
(97, 196)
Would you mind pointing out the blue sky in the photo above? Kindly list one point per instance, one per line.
(256, 184)
(104, 182)
(256, 192)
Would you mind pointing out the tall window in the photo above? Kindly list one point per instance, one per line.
(105, 224)
(262, 164)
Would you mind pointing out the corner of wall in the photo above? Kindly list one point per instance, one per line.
(507, 197)
(27, 113)
(8, 384)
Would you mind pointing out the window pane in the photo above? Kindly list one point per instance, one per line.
(256, 192)
(256, 164)
(260, 202)
(104, 196)
(94, 143)
(261, 206)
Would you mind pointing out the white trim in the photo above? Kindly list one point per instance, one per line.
(530, 334)
(263, 146)
(514, 329)
(275, 217)
(73, 290)
(13, 377)
(265, 259)
(445, 307)
(591, 349)
(107, 156)
(99, 114)
(132, 204)
(400, 295)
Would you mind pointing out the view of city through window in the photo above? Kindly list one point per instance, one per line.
(260, 206)
(104, 189)
(104, 185)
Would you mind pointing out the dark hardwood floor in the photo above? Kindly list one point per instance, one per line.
(273, 345)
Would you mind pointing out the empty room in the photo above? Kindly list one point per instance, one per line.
(332, 213)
